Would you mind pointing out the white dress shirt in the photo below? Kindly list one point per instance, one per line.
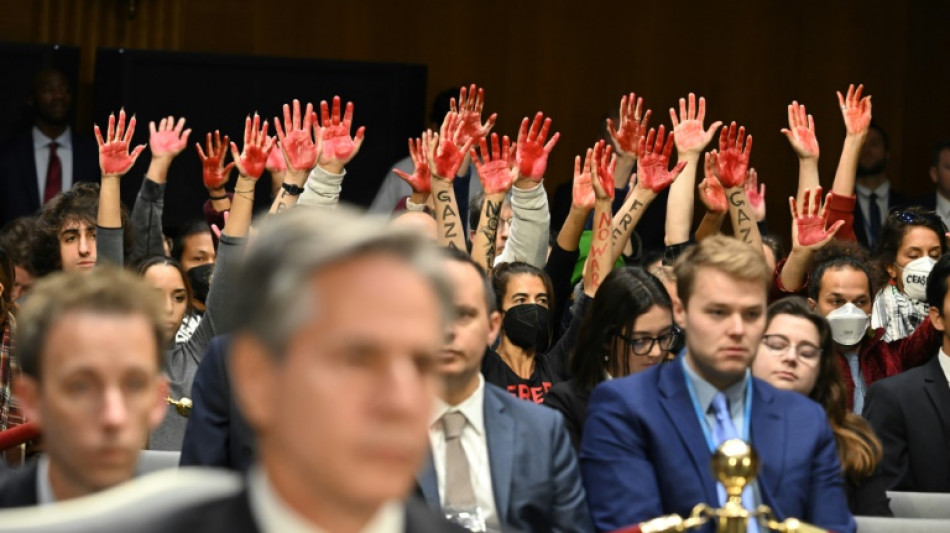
(864, 201)
(944, 363)
(64, 150)
(44, 488)
(943, 209)
(475, 445)
(273, 515)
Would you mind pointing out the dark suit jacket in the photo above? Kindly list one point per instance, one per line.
(18, 487)
(233, 515)
(535, 477)
(894, 200)
(19, 192)
(910, 413)
(571, 400)
(644, 454)
(216, 434)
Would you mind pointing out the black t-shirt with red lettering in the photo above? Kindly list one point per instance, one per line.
(547, 372)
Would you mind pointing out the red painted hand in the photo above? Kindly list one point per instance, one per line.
(296, 142)
(734, 151)
(632, 129)
(654, 161)
(711, 193)
(855, 110)
(532, 153)
(801, 132)
(114, 156)
(809, 230)
(420, 180)
(756, 195)
(495, 169)
(213, 171)
(470, 106)
(276, 161)
(168, 139)
(584, 196)
(691, 138)
(257, 147)
(446, 150)
(602, 167)
(338, 147)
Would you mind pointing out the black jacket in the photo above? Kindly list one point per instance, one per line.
(18, 487)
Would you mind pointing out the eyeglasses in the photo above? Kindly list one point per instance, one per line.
(808, 354)
(644, 345)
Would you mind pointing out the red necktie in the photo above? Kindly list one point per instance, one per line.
(54, 175)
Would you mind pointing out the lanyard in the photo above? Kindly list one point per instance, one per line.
(703, 423)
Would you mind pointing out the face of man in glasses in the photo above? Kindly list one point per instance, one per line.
(637, 344)
(789, 354)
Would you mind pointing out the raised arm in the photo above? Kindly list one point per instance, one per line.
(497, 174)
(114, 161)
(756, 194)
(801, 135)
(337, 148)
(713, 196)
(214, 173)
(601, 258)
(420, 181)
(298, 151)
(250, 163)
(732, 165)
(691, 140)
(856, 112)
(810, 233)
(445, 159)
(626, 139)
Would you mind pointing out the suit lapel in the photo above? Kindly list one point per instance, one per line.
(428, 483)
(500, 435)
(678, 406)
(767, 433)
(935, 383)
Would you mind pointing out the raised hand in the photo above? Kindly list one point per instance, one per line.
(801, 132)
(420, 179)
(532, 154)
(602, 168)
(654, 160)
(733, 160)
(114, 156)
(470, 106)
(257, 147)
(275, 161)
(855, 110)
(626, 139)
(756, 195)
(691, 138)
(338, 147)
(711, 193)
(584, 196)
(213, 171)
(447, 150)
(297, 144)
(168, 139)
(495, 169)
(809, 230)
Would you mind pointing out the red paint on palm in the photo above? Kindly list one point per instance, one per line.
(653, 161)
(801, 131)
(334, 132)
(532, 153)
(691, 137)
(734, 151)
(114, 156)
(471, 103)
(495, 167)
(448, 151)
(297, 143)
(213, 171)
(583, 191)
(754, 192)
(257, 148)
(811, 220)
(855, 109)
(421, 178)
(713, 195)
(626, 139)
(168, 138)
(276, 161)
(603, 164)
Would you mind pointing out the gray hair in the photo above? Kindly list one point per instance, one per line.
(291, 248)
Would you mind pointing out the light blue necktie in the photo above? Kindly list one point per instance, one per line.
(860, 387)
(723, 431)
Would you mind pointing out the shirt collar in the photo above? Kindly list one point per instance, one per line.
(44, 489)
(705, 391)
(944, 360)
(882, 190)
(273, 515)
(943, 205)
(40, 140)
(472, 407)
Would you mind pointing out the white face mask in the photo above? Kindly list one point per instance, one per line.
(914, 277)
(849, 324)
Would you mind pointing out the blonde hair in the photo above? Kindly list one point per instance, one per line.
(725, 254)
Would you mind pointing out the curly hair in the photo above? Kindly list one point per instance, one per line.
(17, 238)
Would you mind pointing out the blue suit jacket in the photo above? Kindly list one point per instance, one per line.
(535, 477)
(643, 453)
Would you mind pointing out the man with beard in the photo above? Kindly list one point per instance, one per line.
(875, 195)
(48, 158)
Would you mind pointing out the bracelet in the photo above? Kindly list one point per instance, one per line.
(293, 190)
(225, 197)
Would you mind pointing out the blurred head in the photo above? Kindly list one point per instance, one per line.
(7, 281)
(772, 248)
(628, 328)
(796, 349)
(873, 158)
(193, 246)
(17, 238)
(169, 281)
(505, 216)
(940, 168)
(51, 97)
(90, 349)
(906, 236)
(524, 295)
(341, 325)
(722, 285)
(937, 285)
(419, 222)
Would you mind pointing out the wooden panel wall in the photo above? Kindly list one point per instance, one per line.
(573, 60)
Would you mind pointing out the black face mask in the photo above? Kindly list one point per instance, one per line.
(200, 279)
(528, 326)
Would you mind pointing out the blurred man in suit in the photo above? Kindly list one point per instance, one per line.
(48, 158)
(496, 461)
(939, 200)
(875, 195)
(649, 437)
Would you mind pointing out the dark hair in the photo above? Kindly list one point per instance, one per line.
(774, 243)
(895, 228)
(475, 211)
(79, 204)
(625, 294)
(859, 450)
(503, 273)
(453, 254)
(17, 238)
(149, 262)
(877, 127)
(939, 147)
(7, 279)
(193, 227)
(937, 283)
(842, 254)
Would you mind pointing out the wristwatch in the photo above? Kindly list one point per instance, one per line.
(292, 189)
